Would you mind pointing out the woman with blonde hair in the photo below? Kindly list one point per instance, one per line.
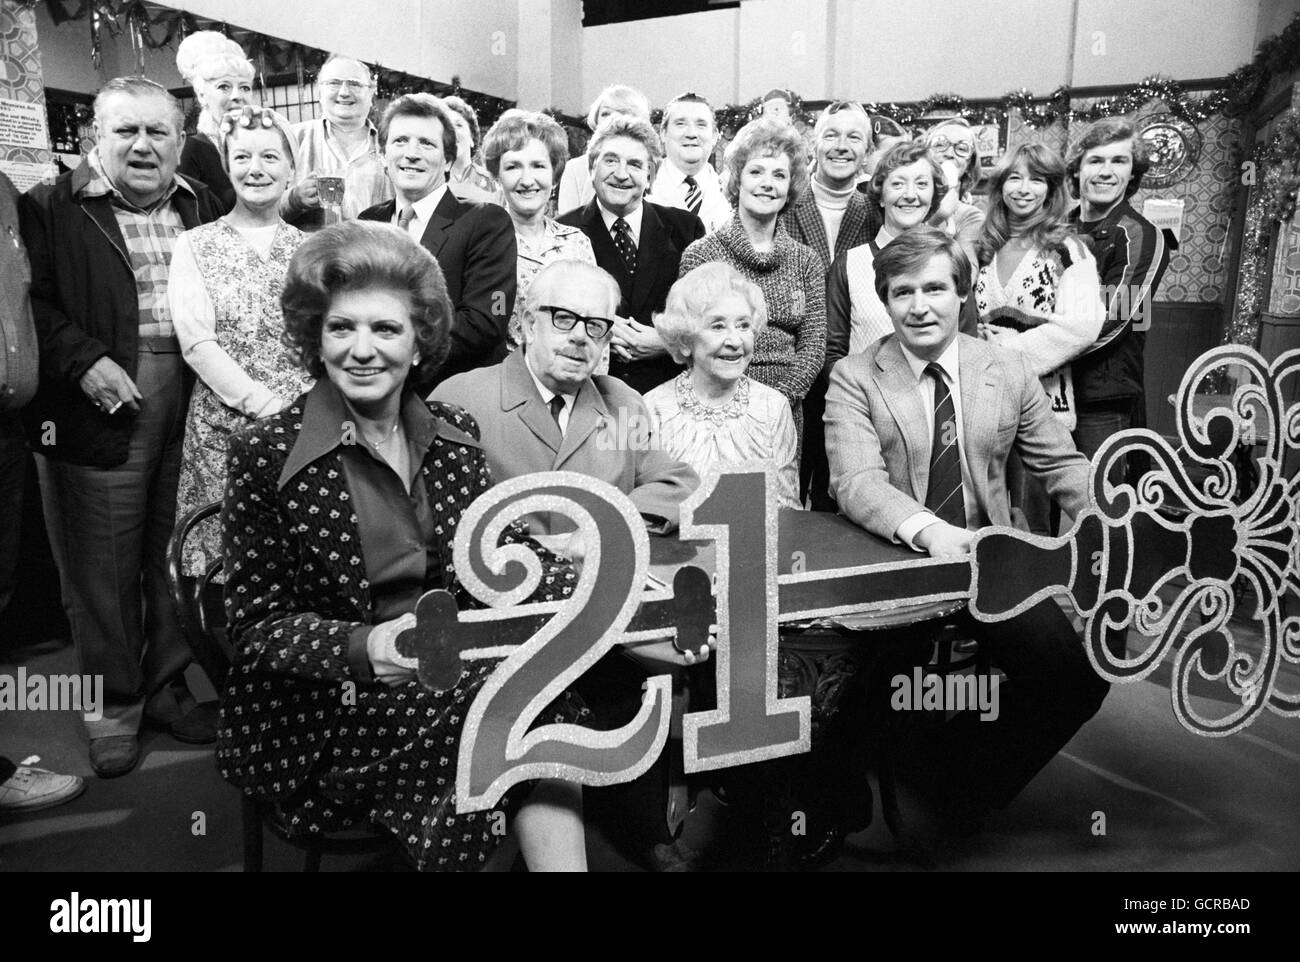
(222, 79)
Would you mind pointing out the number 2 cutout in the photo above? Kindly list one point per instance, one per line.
(497, 748)
(751, 723)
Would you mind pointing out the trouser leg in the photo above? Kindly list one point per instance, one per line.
(108, 530)
(13, 470)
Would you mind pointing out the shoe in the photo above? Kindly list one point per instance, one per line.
(115, 755)
(32, 789)
(198, 726)
(175, 712)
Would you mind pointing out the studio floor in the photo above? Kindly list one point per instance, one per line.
(1171, 801)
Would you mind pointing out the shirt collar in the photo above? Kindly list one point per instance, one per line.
(426, 205)
(325, 413)
(633, 219)
(100, 186)
(542, 389)
(948, 360)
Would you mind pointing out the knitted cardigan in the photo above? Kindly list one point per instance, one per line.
(789, 352)
(1051, 311)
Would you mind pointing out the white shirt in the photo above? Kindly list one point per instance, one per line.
(633, 222)
(547, 394)
(423, 208)
(670, 191)
(948, 361)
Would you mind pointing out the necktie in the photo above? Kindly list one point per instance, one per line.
(623, 241)
(405, 217)
(945, 497)
(557, 408)
(694, 196)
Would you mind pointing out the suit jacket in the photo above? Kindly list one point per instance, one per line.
(475, 247)
(878, 443)
(665, 233)
(804, 222)
(296, 590)
(87, 306)
(606, 423)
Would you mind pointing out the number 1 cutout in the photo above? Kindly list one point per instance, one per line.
(751, 723)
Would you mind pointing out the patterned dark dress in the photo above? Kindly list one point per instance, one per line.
(299, 727)
(243, 293)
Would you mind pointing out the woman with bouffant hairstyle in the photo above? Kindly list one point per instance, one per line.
(768, 167)
(339, 515)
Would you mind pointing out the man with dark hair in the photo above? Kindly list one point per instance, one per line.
(108, 416)
(474, 243)
(831, 218)
(1104, 170)
(919, 427)
(638, 242)
(686, 180)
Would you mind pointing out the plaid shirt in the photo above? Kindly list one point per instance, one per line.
(150, 237)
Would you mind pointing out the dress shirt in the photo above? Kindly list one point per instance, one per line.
(949, 362)
(670, 190)
(547, 394)
(633, 222)
(423, 208)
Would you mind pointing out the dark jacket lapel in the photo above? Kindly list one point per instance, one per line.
(602, 245)
(653, 248)
(444, 215)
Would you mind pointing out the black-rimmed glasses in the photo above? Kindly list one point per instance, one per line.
(564, 319)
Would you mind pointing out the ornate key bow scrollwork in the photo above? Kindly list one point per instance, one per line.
(1200, 537)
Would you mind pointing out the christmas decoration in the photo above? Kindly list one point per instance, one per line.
(1275, 169)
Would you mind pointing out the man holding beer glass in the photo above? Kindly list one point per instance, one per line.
(341, 164)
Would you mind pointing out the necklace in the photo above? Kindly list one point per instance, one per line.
(388, 437)
(691, 403)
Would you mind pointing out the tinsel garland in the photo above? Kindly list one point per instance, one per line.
(1277, 179)
(1040, 112)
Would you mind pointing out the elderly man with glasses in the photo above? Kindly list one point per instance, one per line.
(541, 409)
(340, 148)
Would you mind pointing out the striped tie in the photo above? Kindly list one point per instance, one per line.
(694, 196)
(945, 496)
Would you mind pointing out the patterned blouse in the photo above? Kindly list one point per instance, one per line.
(790, 351)
(301, 725)
(560, 243)
(755, 425)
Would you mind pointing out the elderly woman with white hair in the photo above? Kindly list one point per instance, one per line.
(222, 79)
(711, 416)
(616, 100)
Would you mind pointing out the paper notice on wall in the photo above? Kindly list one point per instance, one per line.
(23, 125)
(27, 175)
(1165, 214)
